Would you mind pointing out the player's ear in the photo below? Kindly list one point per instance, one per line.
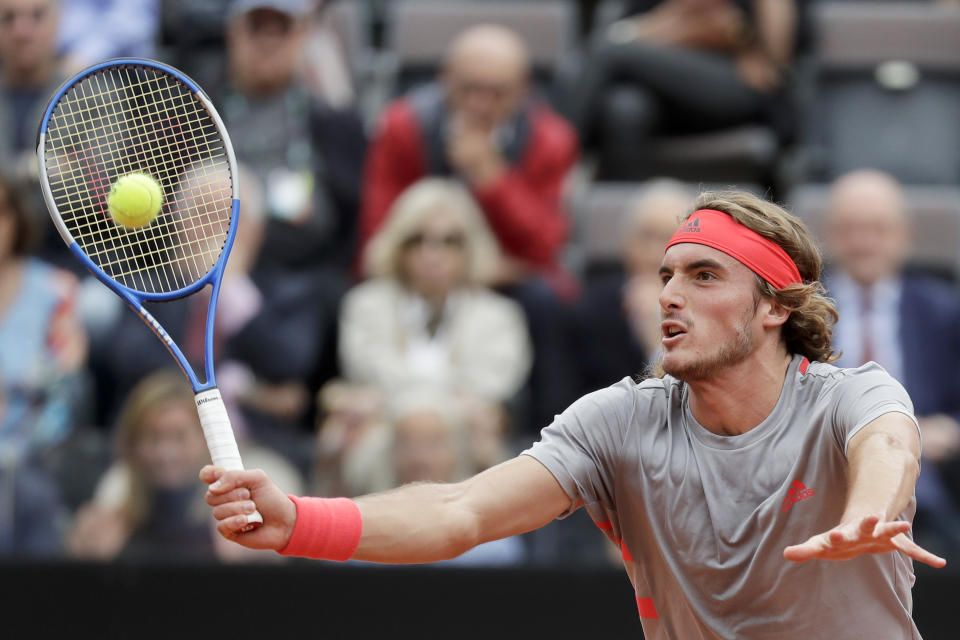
(774, 314)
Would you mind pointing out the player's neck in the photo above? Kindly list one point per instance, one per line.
(742, 396)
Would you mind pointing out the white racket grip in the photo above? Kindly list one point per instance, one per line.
(219, 435)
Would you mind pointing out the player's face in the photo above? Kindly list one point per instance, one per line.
(708, 308)
(170, 447)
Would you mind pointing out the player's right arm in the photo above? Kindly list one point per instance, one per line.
(415, 523)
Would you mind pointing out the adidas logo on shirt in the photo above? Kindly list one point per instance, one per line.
(797, 492)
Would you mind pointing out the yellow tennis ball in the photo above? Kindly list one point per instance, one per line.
(135, 200)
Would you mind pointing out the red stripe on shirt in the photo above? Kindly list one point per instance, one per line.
(605, 525)
(625, 553)
(647, 609)
(803, 365)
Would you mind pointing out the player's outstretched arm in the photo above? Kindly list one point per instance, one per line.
(415, 523)
(884, 459)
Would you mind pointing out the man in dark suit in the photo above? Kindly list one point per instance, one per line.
(908, 323)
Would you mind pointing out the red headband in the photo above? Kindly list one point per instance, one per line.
(718, 230)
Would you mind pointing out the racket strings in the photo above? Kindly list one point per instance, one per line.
(97, 180)
(134, 119)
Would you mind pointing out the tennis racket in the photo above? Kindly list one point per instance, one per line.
(129, 116)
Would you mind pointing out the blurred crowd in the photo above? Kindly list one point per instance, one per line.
(410, 297)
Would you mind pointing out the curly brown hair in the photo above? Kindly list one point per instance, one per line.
(809, 329)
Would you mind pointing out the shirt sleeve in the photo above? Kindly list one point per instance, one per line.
(581, 448)
(863, 395)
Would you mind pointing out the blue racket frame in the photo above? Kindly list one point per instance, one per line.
(134, 298)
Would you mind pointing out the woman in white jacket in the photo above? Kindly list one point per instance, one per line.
(425, 316)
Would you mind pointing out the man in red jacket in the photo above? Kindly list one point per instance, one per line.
(479, 122)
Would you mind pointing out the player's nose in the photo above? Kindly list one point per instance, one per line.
(671, 297)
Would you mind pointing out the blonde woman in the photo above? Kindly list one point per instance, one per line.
(425, 316)
(149, 504)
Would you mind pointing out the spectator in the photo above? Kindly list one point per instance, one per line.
(682, 66)
(31, 506)
(43, 347)
(29, 75)
(149, 504)
(425, 317)
(96, 30)
(907, 323)
(426, 439)
(618, 317)
(307, 155)
(479, 123)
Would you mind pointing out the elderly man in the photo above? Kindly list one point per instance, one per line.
(907, 323)
(480, 123)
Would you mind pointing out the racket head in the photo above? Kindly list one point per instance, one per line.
(134, 115)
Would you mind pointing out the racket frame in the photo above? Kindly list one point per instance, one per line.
(134, 298)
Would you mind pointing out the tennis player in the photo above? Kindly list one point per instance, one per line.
(720, 480)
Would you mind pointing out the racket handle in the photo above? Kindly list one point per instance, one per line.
(220, 438)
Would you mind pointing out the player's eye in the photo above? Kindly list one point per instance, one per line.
(705, 276)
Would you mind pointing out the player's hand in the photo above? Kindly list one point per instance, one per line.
(866, 535)
(234, 494)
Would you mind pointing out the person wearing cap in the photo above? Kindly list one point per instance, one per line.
(306, 153)
(732, 483)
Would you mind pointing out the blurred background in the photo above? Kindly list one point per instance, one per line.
(452, 214)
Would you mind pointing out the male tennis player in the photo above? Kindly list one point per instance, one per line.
(718, 481)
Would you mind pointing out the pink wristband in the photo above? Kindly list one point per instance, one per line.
(326, 529)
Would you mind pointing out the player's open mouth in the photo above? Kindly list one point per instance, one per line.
(672, 332)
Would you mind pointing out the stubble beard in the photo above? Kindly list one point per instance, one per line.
(731, 353)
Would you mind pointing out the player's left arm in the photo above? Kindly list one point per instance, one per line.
(884, 460)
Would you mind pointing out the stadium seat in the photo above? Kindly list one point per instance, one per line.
(886, 91)
(749, 153)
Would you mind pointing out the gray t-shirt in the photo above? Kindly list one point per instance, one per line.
(702, 519)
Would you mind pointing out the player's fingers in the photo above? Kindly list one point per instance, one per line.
(230, 480)
(802, 552)
(918, 553)
(231, 509)
(210, 473)
(240, 493)
(890, 529)
(868, 525)
(231, 527)
(840, 536)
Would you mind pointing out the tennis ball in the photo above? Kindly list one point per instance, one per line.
(135, 200)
